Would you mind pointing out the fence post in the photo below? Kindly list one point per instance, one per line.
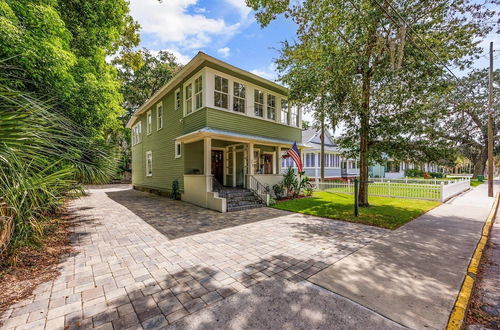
(406, 179)
(389, 188)
(442, 191)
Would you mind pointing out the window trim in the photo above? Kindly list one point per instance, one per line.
(187, 99)
(222, 92)
(149, 153)
(195, 94)
(149, 122)
(159, 119)
(275, 108)
(255, 103)
(137, 133)
(177, 154)
(239, 98)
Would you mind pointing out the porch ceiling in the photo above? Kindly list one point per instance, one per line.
(236, 137)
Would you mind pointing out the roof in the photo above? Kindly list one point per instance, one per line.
(185, 71)
(312, 138)
(212, 132)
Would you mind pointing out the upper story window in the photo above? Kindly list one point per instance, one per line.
(221, 97)
(189, 98)
(137, 133)
(149, 122)
(284, 111)
(177, 99)
(198, 92)
(239, 97)
(294, 116)
(258, 103)
(271, 107)
(159, 117)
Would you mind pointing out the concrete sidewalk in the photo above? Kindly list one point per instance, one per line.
(413, 275)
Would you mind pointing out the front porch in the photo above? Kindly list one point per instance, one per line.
(214, 161)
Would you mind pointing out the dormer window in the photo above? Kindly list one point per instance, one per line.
(221, 92)
(239, 97)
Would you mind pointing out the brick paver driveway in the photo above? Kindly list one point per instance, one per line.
(146, 261)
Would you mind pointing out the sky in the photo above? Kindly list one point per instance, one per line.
(225, 29)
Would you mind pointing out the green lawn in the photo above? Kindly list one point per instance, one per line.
(475, 183)
(383, 212)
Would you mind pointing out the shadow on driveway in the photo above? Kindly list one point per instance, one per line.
(176, 219)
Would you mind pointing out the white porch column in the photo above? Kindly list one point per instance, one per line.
(207, 162)
(250, 159)
(278, 160)
(234, 167)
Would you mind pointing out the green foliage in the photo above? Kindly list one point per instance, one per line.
(383, 212)
(279, 190)
(43, 157)
(289, 180)
(413, 173)
(362, 64)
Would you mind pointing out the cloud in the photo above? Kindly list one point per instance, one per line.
(267, 73)
(181, 58)
(171, 23)
(224, 52)
(241, 6)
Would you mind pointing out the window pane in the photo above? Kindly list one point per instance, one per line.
(239, 90)
(198, 85)
(189, 91)
(259, 103)
(271, 107)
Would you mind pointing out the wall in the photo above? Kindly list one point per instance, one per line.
(193, 157)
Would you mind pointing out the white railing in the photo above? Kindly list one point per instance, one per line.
(420, 181)
(440, 191)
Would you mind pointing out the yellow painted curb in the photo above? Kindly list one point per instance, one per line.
(457, 316)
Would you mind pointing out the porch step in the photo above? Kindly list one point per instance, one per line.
(239, 199)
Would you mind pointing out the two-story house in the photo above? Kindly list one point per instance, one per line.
(215, 129)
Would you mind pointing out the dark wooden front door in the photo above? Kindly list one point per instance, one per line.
(218, 165)
(268, 164)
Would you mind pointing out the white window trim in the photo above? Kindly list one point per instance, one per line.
(200, 92)
(149, 124)
(240, 98)
(177, 155)
(136, 133)
(148, 153)
(229, 92)
(263, 104)
(159, 121)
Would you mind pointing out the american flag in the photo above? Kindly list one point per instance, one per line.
(295, 154)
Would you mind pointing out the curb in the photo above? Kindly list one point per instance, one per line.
(457, 316)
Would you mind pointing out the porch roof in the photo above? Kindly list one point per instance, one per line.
(235, 136)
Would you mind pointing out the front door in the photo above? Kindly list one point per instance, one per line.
(268, 164)
(218, 165)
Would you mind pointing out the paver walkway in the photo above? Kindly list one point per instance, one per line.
(413, 275)
(126, 273)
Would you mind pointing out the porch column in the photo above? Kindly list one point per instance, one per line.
(234, 167)
(207, 162)
(278, 160)
(250, 159)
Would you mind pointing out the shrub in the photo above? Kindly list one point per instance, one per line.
(278, 190)
(413, 173)
(437, 175)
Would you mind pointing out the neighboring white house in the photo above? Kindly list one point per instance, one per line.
(336, 166)
(393, 169)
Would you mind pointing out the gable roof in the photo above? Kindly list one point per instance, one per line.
(186, 70)
(312, 138)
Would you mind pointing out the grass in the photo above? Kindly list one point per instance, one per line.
(384, 212)
(475, 182)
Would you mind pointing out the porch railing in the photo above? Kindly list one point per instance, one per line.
(261, 191)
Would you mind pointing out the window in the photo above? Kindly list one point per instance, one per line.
(178, 150)
(149, 163)
(198, 92)
(149, 122)
(310, 160)
(294, 119)
(159, 117)
(284, 111)
(221, 92)
(136, 133)
(239, 97)
(287, 162)
(177, 99)
(189, 98)
(271, 107)
(258, 103)
(393, 166)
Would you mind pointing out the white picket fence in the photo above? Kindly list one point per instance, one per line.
(401, 188)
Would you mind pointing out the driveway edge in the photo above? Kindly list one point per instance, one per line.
(459, 311)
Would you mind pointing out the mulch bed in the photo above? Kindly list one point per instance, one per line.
(30, 266)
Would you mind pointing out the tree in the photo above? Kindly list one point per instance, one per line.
(376, 64)
(466, 124)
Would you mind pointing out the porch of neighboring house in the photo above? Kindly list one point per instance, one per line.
(226, 172)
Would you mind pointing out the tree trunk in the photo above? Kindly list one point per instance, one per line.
(322, 152)
(480, 163)
(363, 142)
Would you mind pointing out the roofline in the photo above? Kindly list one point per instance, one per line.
(187, 69)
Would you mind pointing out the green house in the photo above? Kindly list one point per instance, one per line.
(218, 131)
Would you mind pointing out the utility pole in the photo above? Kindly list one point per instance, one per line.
(490, 124)
(322, 151)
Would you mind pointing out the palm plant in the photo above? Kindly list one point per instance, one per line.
(43, 158)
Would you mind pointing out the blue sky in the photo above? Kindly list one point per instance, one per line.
(225, 29)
